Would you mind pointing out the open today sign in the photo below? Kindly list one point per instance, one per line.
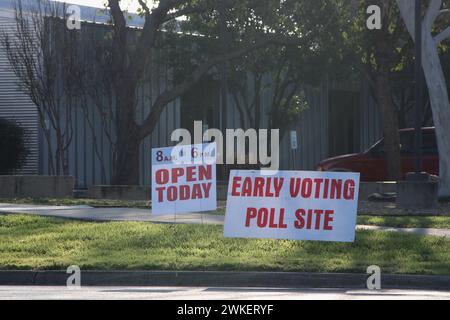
(184, 179)
(296, 205)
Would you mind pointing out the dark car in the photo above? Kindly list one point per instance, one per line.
(372, 164)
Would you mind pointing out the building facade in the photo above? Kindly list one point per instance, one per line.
(340, 119)
(14, 104)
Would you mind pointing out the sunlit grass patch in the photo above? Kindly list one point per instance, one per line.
(30, 242)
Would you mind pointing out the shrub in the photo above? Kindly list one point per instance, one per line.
(13, 149)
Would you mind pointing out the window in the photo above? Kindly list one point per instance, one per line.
(429, 144)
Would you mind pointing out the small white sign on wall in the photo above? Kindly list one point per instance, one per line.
(184, 179)
(294, 144)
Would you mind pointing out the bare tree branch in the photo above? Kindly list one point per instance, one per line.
(184, 12)
(117, 14)
(41, 52)
(144, 6)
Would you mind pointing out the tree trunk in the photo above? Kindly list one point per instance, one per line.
(61, 156)
(126, 171)
(258, 109)
(126, 167)
(441, 109)
(58, 151)
(389, 119)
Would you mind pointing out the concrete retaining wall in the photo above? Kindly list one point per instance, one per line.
(368, 188)
(417, 195)
(36, 187)
(119, 192)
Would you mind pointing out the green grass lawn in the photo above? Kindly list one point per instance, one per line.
(31, 242)
(405, 222)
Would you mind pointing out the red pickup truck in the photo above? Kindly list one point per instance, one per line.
(372, 165)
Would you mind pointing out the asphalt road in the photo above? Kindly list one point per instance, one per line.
(211, 293)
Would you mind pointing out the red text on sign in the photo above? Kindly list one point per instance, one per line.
(265, 218)
(314, 219)
(193, 173)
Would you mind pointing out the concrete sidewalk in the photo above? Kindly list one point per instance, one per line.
(109, 214)
(141, 215)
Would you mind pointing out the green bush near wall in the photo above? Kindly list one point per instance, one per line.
(13, 149)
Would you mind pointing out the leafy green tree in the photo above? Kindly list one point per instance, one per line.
(278, 72)
(129, 59)
(379, 55)
(232, 29)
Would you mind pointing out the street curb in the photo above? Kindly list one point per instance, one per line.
(224, 279)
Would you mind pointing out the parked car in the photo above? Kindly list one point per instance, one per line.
(372, 164)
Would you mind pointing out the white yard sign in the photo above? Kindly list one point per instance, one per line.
(184, 179)
(294, 205)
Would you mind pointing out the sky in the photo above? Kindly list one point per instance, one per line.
(130, 5)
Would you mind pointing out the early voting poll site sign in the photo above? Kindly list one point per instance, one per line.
(184, 179)
(295, 205)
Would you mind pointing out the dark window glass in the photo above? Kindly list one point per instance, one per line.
(429, 144)
(378, 149)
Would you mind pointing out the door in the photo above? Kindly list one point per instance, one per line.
(201, 103)
(343, 123)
